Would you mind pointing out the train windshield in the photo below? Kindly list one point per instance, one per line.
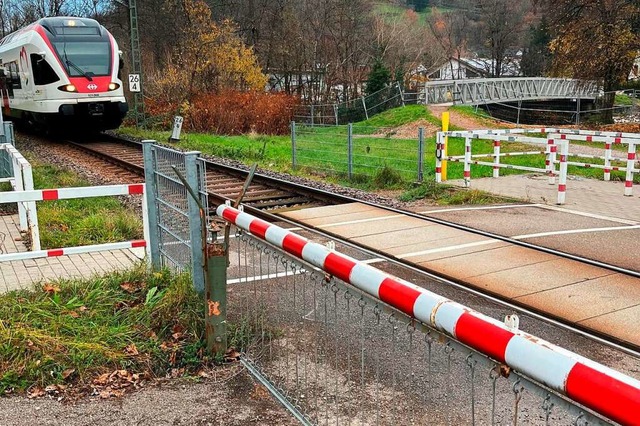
(84, 58)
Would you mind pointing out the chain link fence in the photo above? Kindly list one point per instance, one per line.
(359, 153)
(334, 355)
(355, 110)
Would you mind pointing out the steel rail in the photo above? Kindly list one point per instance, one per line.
(328, 197)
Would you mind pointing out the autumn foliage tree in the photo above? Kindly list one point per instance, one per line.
(594, 40)
(206, 57)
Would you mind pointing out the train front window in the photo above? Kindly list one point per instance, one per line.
(81, 58)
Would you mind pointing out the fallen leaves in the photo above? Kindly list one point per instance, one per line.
(50, 288)
(131, 350)
(116, 383)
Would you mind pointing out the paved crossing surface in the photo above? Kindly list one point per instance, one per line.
(25, 273)
(595, 298)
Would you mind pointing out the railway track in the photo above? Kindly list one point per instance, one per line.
(272, 198)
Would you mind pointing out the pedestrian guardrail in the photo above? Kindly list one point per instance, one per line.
(32, 196)
(339, 341)
(555, 140)
(16, 171)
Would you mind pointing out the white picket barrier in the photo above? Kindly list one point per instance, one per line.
(550, 146)
(22, 180)
(31, 196)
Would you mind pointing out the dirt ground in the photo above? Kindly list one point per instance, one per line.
(234, 402)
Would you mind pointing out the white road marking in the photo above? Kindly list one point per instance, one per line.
(591, 215)
(449, 248)
(353, 222)
(575, 231)
(461, 209)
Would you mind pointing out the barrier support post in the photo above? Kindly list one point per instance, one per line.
(467, 162)
(350, 150)
(607, 161)
(496, 159)
(151, 202)
(216, 298)
(30, 206)
(562, 185)
(445, 142)
(631, 159)
(195, 221)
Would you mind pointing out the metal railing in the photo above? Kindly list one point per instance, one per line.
(16, 170)
(340, 342)
(479, 91)
(553, 139)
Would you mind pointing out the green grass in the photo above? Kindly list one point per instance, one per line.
(450, 195)
(624, 100)
(86, 326)
(68, 223)
(381, 160)
(400, 116)
(473, 112)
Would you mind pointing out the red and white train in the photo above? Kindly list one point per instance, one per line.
(62, 73)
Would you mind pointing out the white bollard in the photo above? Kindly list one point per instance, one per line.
(496, 159)
(631, 160)
(562, 185)
(467, 162)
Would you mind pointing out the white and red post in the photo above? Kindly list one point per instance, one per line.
(562, 184)
(602, 389)
(496, 158)
(631, 161)
(439, 155)
(467, 162)
(550, 161)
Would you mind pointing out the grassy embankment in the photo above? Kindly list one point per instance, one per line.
(381, 158)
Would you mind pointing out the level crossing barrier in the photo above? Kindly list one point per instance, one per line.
(339, 341)
(18, 173)
(32, 196)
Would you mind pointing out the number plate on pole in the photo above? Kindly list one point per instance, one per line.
(134, 82)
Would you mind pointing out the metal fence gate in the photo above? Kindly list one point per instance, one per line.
(6, 136)
(175, 231)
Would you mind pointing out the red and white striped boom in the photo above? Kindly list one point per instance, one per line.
(602, 389)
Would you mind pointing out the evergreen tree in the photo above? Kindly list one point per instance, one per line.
(379, 77)
(418, 5)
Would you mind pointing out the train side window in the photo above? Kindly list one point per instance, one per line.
(42, 71)
(14, 75)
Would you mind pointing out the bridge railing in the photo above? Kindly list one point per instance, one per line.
(339, 341)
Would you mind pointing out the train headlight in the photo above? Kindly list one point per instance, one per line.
(113, 86)
(68, 88)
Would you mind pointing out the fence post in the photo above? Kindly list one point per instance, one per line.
(467, 162)
(631, 159)
(364, 105)
(312, 115)
(32, 215)
(496, 159)
(562, 185)
(551, 160)
(578, 111)
(195, 224)
(152, 202)
(22, 211)
(607, 161)
(350, 150)
(335, 112)
(401, 93)
(294, 159)
(216, 298)
(420, 154)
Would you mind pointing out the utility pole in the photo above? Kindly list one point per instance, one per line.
(136, 64)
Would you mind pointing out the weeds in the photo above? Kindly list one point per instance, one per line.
(91, 326)
(450, 195)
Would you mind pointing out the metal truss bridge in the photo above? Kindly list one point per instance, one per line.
(478, 91)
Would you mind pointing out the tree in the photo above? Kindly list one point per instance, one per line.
(536, 56)
(419, 5)
(594, 40)
(379, 77)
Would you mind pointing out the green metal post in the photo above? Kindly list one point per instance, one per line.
(216, 299)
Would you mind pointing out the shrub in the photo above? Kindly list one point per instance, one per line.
(230, 112)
